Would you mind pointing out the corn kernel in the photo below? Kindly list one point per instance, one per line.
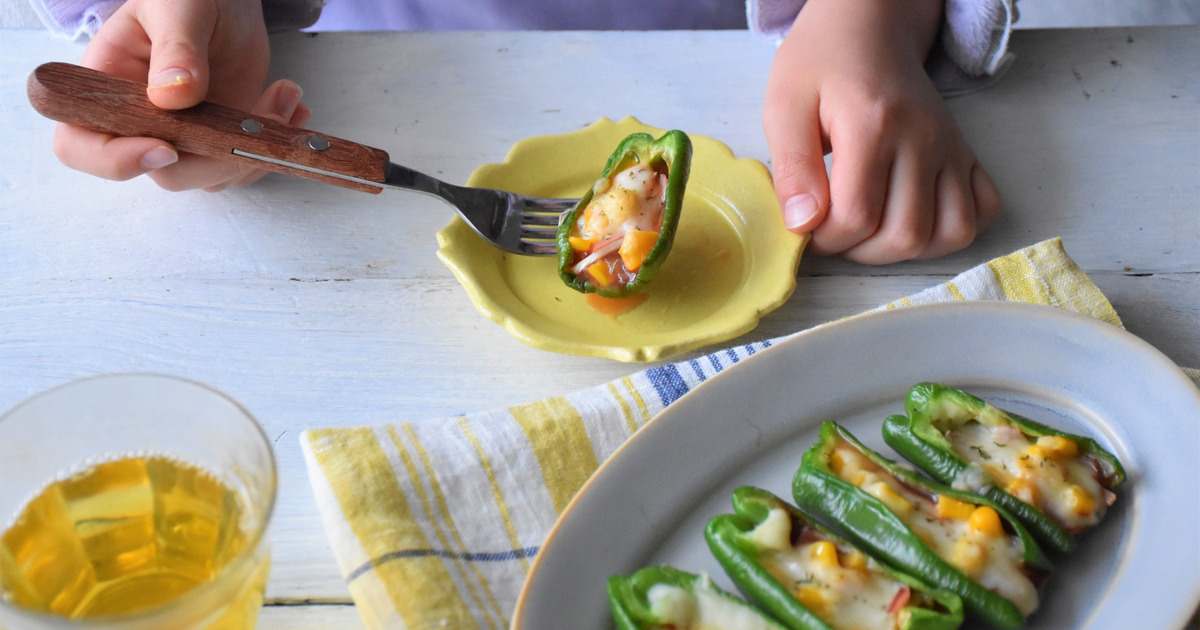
(599, 272)
(1079, 501)
(839, 459)
(580, 244)
(896, 503)
(1058, 446)
(1036, 451)
(949, 507)
(814, 599)
(855, 560)
(969, 557)
(986, 521)
(1023, 489)
(824, 552)
(636, 246)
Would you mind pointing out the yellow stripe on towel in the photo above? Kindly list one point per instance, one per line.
(626, 412)
(1044, 274)
(561, 445)
(1019, 280)
(437, 524)
(954, 292)
(643, 408)
(375, 507)
(510, 528)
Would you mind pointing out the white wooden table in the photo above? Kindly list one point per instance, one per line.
(318, 306)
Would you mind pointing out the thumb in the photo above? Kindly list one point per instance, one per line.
(179, 33)
(798, 166)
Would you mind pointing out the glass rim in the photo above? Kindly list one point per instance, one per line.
(147, 616)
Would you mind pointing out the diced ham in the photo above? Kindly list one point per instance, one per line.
(1006, 434)
(900, 600)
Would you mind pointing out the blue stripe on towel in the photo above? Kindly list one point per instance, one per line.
(696, 367)
(668, 382)
(497, 556)
(716, 363)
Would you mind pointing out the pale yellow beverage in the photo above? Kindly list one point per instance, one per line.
(128, 535)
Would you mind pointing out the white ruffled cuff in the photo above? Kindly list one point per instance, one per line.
(972, 50)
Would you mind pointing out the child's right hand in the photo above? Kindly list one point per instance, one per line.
(187, 51)
(849, 79)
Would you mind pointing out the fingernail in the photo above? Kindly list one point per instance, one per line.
(158, 157)
(799, 209)
(289, 98)
(170, 77)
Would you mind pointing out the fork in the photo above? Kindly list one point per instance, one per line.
(91, 99)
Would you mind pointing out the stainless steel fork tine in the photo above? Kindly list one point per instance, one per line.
(539, 225)
(539, 231)
(537, 249)
(539, 236)
(541, 218)
(536, 204)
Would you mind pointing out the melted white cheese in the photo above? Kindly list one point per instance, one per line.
(999, 558)
(774, 532)
(634, 201)
(855, 596)
(1002, 453)
(703, 608)
(844, 597)
(1000, 567)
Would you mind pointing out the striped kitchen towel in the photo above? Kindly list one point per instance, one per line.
(434, 525)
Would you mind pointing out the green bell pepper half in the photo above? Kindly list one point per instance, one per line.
(933, 409)
(630, 606)
(728, 539)
(870, 524)
(674, 150)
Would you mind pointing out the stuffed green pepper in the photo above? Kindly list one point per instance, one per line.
(614, 241)
(948, 538)
(1057, 483)
(811, 579)
(665, 598)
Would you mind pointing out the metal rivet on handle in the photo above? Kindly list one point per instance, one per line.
(251, 126)
(317, 143)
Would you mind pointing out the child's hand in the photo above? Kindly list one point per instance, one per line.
(187, 51)
(849, 79)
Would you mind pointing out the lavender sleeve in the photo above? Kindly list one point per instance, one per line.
(971, 53)
(80, 19)
(75, 19)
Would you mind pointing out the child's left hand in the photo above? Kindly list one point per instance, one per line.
(849, 79)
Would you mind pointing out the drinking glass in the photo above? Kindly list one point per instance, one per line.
(133, 501)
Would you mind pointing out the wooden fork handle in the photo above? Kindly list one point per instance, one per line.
(93, 100)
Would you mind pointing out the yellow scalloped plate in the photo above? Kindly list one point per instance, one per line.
(732, 262)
